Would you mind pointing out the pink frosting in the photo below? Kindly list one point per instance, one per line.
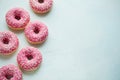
(36, 32)
(10, 72)
(17, 18)
(29, 58)
(41, 7)
(8, 42)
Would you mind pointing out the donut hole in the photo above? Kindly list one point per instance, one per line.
(17, 17)
(36, 30)
(40, 1)
(6, 41)
(8, 76)
(29, 57)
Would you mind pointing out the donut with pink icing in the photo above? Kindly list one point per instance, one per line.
(10, 72)
(8, 42)
(36, 32)
(41, 6)
(29, 58)
(17, 18)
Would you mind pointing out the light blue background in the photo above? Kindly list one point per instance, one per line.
(83, 41)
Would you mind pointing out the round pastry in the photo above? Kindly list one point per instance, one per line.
(17, 18)
(8, 42)
(29, 58)
(41, 6)
(36, 32)
(10, 72)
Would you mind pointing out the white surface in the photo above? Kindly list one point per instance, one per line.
(83, 42)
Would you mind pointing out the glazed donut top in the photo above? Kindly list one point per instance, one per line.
(41, 5)
(17, 17)
(8, 42)
(36, 31)
(29, 58)
(10, 72)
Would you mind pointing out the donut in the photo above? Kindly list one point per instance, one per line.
(36, 32)
(41, 6)
(8, 42)
(17, 18)
(29, 58)
(10, 72)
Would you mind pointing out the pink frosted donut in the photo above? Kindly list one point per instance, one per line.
(41, 6)
(29, 58)
(10, 72)
(17, 18)
(36, 32)
(8, 42)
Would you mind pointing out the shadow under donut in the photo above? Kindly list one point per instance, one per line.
(7, 57)
(32, 72)
(37, 45)
(16, 31)
(42, 14)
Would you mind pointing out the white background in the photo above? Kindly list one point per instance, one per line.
(83, 41)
